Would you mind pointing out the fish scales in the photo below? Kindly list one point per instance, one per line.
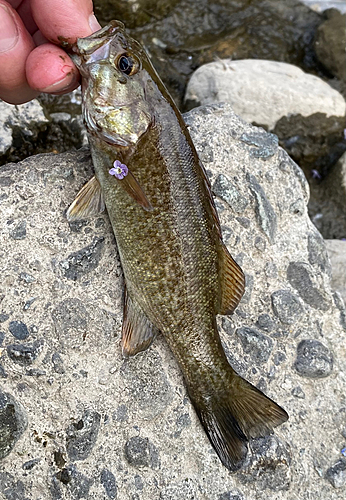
(178, 273)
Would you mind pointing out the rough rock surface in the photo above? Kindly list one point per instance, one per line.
(100, 426)
(330, 44)
(337, 254)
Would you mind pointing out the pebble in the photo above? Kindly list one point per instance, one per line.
(255, 343)
(109, 483)
(19, 330)
(140, 452)
(82, 435)
(314, 359)
(286, 306)
(226, 190)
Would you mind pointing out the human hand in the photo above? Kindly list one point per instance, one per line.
(30, 60)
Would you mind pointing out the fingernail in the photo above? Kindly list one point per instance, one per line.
(93, 23)
(61, 86)
(8, 30)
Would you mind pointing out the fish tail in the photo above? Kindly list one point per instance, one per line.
(231, 416)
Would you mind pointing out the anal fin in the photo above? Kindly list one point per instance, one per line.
(137, 332)
(88, 202)
(232, 283)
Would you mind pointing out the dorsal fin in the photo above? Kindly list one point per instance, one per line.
(232, 283)
(137, 331)
(88, 202)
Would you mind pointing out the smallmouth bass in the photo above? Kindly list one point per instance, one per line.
(178, 272)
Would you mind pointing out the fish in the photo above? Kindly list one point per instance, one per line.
(178, 273)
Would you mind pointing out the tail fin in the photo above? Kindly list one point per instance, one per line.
(231, 418)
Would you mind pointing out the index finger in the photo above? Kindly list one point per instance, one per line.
(64, 20)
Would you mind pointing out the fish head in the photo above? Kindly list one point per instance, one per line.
(114, 74)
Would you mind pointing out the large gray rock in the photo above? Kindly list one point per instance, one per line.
(100, 426)
(263, 91)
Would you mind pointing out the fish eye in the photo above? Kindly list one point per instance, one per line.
(126, 64)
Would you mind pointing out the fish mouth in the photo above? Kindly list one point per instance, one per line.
(87, 45)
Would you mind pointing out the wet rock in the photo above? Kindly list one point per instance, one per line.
(337, 254)
(108, 482)
(255, 343)
(70, 314)
(3, 373)
(299, 276)
(336, 474)
(82, 435)
(84, 261)
(140, 452)
(19, 232)
(330, 43)
(19, 330)
(25, 354)
(226, 190)
(71, 482)
(269, 464)
(314, 359)
(286, 306)
(13, 423)
(2, 336)
(266, 217)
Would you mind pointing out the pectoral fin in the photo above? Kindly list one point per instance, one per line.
(134, 189)
(232, 283)
(137, 331)
(89, 201)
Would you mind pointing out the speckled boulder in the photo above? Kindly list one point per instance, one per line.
(100, 426)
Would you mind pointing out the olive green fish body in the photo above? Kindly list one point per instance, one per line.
(178, 273)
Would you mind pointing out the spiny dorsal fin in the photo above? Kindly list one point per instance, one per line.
(232, 283)
(89, 201)
(137, 331)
